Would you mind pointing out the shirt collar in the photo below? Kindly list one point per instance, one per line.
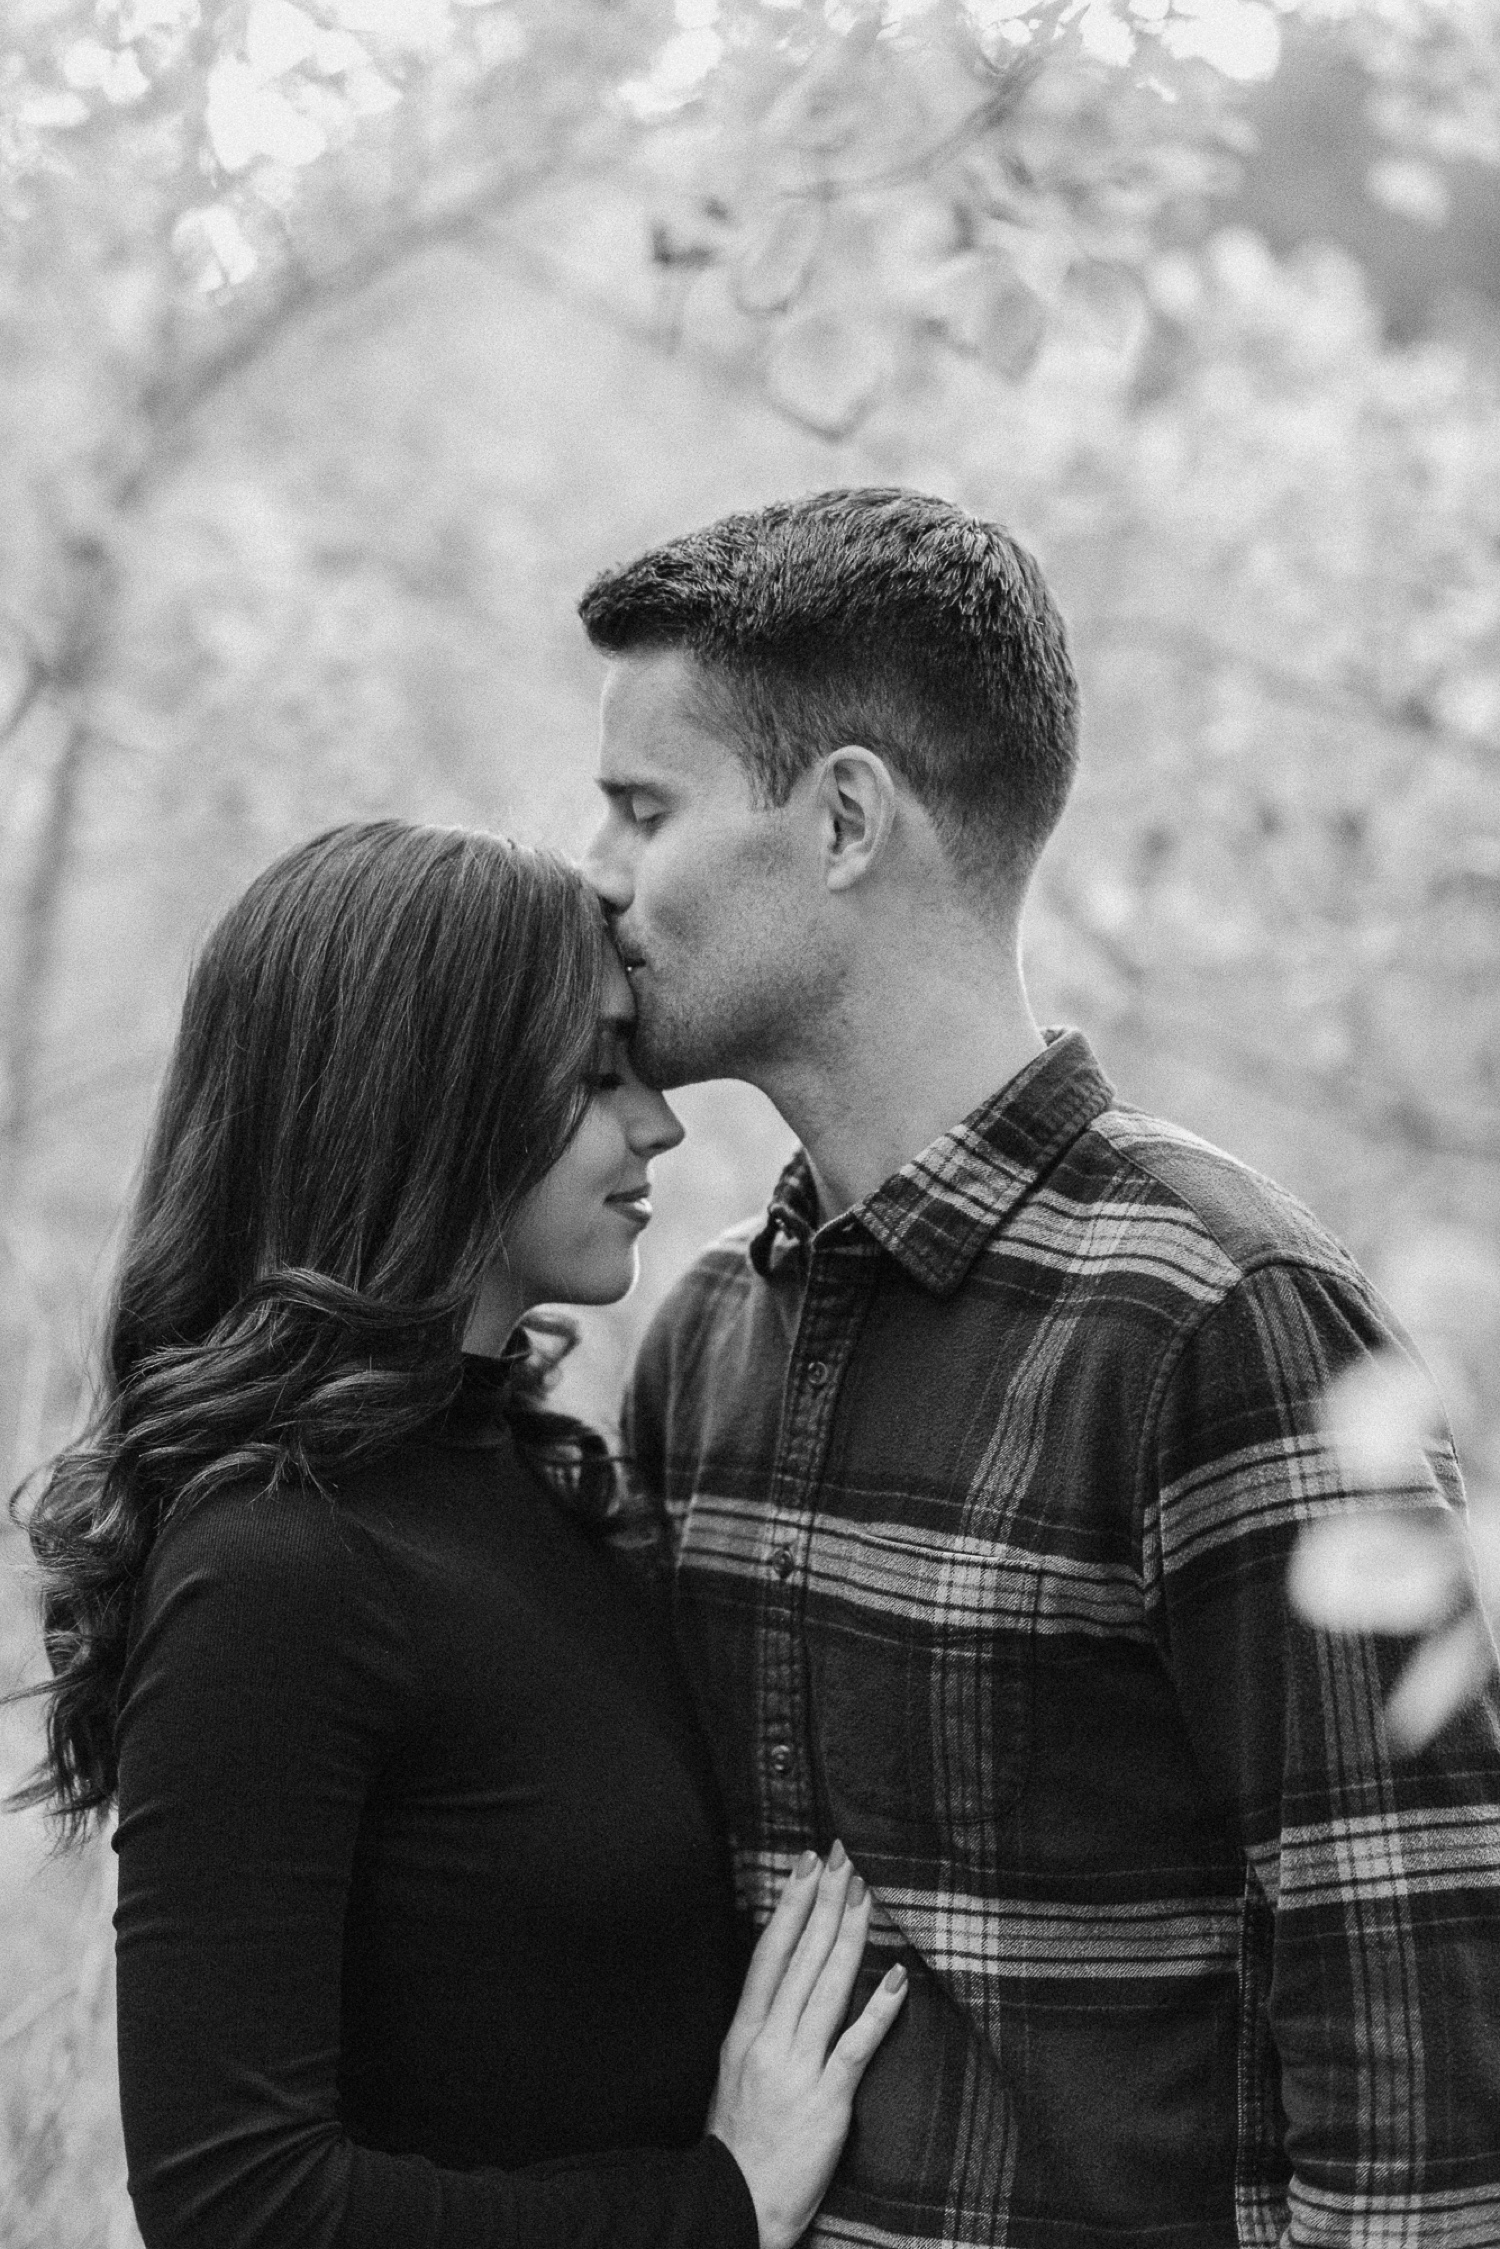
(936, 1213)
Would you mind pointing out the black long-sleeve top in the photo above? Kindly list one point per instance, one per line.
(424, 1935)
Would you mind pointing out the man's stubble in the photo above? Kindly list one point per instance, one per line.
(719, 1023)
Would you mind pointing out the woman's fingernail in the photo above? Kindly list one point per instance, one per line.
(805, 1865)
(894, 1978)
(836, 1857)
(856, 1889)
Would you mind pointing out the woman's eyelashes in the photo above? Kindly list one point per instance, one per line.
(607, 1074)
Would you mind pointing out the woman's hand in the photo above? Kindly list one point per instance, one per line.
(784, 2097)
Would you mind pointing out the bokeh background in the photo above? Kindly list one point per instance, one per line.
(343, 340)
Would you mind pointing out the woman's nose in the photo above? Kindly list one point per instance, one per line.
(654, 1126)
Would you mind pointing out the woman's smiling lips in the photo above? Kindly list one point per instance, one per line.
(633, 1203)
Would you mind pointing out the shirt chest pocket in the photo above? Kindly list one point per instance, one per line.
(921, 1670)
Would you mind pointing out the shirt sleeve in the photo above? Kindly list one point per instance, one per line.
(269, 1680)
(1372, 1950)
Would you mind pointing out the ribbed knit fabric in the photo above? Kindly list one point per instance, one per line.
(424, 1934)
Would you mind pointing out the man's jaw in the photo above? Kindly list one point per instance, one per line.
(657, 1049)
(668, 1052)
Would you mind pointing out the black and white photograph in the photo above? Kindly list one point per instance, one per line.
(749, 1124)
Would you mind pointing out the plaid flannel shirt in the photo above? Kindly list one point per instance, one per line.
(979, 1500)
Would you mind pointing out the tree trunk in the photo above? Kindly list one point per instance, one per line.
(35, 949)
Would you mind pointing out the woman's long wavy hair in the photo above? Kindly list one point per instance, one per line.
(384, 1046)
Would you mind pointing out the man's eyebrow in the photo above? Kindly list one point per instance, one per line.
(640, 787)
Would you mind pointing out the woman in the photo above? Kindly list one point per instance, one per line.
(424, 1938)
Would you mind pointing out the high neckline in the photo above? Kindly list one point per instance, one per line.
(478, 1412)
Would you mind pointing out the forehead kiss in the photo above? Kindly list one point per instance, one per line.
(617, 1014)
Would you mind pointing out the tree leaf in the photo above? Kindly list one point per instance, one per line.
(827, 372)
(1016, 331)
(1484, 1543)
(825, 106)
(1445, 1673)
(1377, 1416)
(778, 254)
(1378, 1571)
(980, 305)
(1107, 296)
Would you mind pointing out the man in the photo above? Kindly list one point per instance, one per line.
(982, 1455)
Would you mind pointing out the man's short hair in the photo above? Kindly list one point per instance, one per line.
(876, 616)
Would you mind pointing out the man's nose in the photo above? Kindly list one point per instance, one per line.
(605, 872)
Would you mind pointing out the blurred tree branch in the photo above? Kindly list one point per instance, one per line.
(36, 923)
(853, 195)
(1418, 731)
(34, 680)
(172, 402)
(177, 367)
(1359, 1103)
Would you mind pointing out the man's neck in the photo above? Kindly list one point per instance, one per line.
(899, 1069)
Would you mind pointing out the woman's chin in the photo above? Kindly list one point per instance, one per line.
(605, 1283)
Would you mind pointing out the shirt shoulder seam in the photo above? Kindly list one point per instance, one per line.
(1332, 1264)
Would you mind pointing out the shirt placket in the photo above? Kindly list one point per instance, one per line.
(841, 1265)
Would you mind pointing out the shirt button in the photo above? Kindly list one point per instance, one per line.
(781, 1561)
(781, 1760)
(817, 1373)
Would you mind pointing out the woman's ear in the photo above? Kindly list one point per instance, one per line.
(856, 800)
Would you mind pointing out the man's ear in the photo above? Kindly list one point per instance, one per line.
(856, 800)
